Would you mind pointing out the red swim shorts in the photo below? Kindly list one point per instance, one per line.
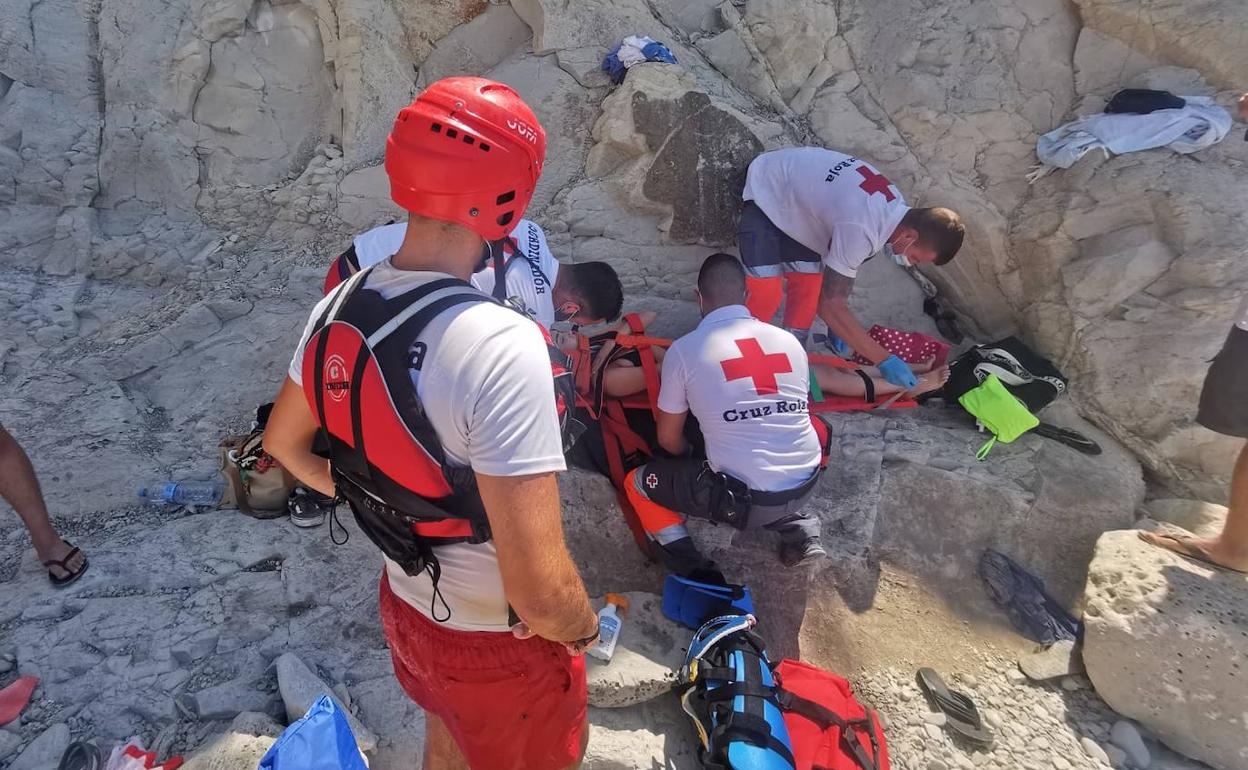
(511, 704)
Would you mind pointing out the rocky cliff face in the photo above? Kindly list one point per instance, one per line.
(173, 176)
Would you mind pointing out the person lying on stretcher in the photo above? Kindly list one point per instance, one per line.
(869, 383)
(624, 376)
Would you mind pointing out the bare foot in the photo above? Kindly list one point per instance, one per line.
(53, 557)
(933, 380)
(1203, 549)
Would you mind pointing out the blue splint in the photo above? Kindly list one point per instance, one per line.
(691, 603)
(732, 699)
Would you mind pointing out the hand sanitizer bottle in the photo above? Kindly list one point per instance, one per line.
(609, 619)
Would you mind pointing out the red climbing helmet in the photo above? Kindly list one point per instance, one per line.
(467, 151)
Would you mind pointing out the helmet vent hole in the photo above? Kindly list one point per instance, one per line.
(468, 139)
(506, 197)
(451, 133)
(506, 218)
(484, 147)
(436, 128)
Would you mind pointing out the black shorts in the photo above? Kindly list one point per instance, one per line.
(1224, 398)
(766, 251)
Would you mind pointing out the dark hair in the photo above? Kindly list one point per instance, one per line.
(596, 287)
(939, 229)
(721, 280)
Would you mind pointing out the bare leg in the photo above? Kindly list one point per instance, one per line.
(20, 488)
(441, 751)
(1230, 548)
(843, 382)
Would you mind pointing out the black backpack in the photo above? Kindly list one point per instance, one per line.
(1031, 377)
(1025, 373)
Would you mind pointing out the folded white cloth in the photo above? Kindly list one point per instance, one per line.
(1198, 125)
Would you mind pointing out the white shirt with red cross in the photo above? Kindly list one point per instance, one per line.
(747, 384)
(833, 204)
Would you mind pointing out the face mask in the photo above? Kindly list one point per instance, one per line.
(898, 258)
(562, 314)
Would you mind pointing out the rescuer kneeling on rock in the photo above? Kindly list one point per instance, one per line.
(746, 383)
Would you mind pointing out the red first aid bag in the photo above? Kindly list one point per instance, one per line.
(828, 728)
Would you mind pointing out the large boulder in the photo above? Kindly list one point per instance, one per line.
(660, 131)
(1166, 644)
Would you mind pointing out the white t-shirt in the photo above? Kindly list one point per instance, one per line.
(747, 383)
(530, 283)
(531, 280)
(485, 385)
(832, 203)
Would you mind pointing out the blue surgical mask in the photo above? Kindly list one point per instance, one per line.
(898, 258)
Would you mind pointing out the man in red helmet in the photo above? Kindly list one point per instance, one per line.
(444, 439)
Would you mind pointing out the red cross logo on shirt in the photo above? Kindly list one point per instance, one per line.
(757, 365)
(875, 183)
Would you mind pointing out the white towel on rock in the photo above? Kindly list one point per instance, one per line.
(1198, 125)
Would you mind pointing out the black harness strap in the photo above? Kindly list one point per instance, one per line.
(754, 730)
(868, 393)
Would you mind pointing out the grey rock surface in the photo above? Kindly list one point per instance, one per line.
(1061, 659)
(650, 651)
(652, 734)
(242, 745)
(300, 688)
(1163, 643)
(45, 751)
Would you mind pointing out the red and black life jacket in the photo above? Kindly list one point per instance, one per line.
(385, 456)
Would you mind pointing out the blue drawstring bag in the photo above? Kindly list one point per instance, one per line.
(321, 740)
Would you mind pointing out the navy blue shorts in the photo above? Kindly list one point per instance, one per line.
(765, 249)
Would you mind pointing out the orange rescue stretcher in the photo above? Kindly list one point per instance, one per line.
(621, 441)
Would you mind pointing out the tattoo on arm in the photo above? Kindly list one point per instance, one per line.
(835, 284)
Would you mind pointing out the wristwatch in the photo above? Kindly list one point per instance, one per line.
(581, 645)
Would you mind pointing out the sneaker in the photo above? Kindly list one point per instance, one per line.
(807, 553)
(307, 507)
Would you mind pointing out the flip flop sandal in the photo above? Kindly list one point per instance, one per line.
(66, 580)
(961, 715)
(81, 756)
(1183, 546)
(1070, 438)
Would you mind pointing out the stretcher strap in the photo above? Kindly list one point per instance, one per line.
(649, 366)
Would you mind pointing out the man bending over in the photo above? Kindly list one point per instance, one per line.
(746, 383)
(812, 216)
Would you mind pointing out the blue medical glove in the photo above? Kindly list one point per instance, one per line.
(898, 373)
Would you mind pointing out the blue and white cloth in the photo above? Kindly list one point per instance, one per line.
(634, 49)
(1199, 124)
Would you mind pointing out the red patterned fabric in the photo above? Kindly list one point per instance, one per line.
(911, 347)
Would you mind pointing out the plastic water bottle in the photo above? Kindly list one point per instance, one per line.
(182, 493)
